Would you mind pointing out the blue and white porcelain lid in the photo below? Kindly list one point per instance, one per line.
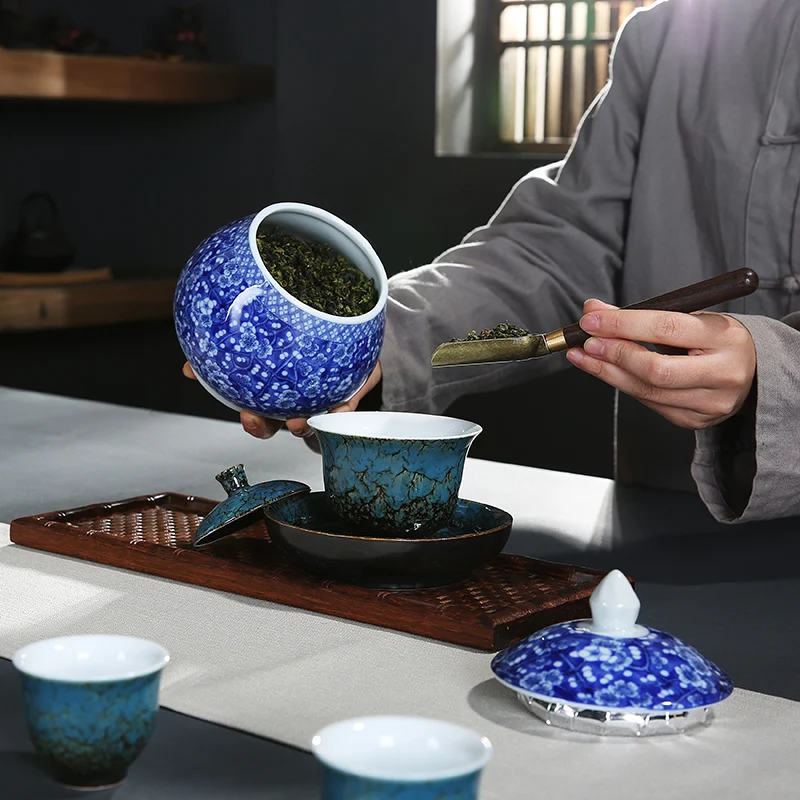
(609, 662)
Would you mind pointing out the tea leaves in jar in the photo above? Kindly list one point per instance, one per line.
(315, 274)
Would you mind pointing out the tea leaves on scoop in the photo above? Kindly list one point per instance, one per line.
(505, 330)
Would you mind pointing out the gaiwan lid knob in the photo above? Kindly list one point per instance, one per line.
(233, 479)
(610, 675)
(615, 608)
(243, 505)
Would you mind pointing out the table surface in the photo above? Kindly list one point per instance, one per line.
(731, 591)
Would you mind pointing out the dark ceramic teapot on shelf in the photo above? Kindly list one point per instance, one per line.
(38, 244)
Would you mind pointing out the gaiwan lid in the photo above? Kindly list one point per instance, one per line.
(610, 676)
(243, 505)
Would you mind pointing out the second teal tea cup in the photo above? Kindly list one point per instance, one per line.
(400, 758)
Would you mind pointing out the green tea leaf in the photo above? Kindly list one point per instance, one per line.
(505, 330)
(315, 274)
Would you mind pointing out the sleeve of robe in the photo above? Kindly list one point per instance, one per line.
(557, 239)
(748, 468)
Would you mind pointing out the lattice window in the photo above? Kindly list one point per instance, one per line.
(553, 60)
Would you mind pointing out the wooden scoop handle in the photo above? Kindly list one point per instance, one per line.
(698, 296)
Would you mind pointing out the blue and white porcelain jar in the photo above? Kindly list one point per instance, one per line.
(255, 347)
(610, 676)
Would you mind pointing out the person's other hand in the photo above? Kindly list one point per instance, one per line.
(264, 428)
(697, 390)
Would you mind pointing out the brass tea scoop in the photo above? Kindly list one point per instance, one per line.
(698, 296)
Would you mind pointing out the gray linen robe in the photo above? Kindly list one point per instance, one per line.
(686, 166)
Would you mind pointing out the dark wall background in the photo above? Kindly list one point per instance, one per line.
(351, 129)
(138, 187)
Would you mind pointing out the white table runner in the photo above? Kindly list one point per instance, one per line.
(284, 673)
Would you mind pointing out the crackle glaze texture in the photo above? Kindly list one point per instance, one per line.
(393, 486)
(243, 505)
(90, 732)
(258, 350)
(341, 786)
(656, 672)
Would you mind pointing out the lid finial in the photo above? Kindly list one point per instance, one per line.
(233, 479)
(615, 608)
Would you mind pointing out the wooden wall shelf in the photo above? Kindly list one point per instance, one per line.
(82, 305)
(29, 279)
(33, 74)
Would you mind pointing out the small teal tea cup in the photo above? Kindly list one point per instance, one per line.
(90, 704)
(400, 758)
(391, 473)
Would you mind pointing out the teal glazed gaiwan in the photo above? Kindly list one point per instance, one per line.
(391, 473)
(90, 703)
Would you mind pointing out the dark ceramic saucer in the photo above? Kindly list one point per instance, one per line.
(308, 530)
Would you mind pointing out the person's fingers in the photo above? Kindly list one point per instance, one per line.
(710, 402)
(352, 403)
(693, 391)
(258, 426)
(188, 371)
(599, 305)
(299, 427)
(682, 417)
(689, 331)
(596, 305)
(655, 369)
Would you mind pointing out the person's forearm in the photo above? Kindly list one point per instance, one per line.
(748, 467)
(558, 239)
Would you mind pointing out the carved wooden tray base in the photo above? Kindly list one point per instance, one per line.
(499, 604)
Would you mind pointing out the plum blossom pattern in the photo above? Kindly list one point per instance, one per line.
(569, 663)
(257, 349)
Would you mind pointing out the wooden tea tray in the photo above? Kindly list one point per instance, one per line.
(501, 603)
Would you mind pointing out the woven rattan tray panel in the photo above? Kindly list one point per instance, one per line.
(500, 604)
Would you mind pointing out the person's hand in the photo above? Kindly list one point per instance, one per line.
(264, 428)
(697, 390)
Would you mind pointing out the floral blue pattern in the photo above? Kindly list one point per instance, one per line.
(655, 672)
(257, 349)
